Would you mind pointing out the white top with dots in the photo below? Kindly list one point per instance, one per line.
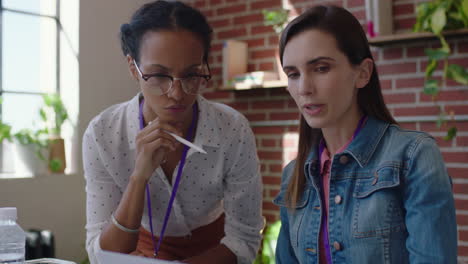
(227, 179)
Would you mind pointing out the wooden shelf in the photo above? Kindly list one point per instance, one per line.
(414, 36)
(267, 84)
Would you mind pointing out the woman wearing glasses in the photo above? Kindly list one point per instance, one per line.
(148, 194)
(362, 189)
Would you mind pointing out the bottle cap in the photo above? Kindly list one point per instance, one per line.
(8, 213)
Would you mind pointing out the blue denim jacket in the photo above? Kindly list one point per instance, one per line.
(390, 201)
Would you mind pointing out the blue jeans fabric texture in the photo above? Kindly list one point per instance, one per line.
(390, 201)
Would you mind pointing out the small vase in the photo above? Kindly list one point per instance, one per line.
(57, 160)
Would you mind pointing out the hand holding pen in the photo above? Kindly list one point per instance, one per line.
(153, 144)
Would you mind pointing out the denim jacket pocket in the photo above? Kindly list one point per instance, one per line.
(378, 209)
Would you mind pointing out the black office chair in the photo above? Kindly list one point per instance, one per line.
(39, 244)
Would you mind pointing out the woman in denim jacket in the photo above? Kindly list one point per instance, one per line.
(362, 189)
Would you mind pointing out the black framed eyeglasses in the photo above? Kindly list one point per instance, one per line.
(160, 84)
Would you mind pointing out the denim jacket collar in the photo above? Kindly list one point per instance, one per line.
(363, 146)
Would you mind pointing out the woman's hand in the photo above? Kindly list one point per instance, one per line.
(153, 145)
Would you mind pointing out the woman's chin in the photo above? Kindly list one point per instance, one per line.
(315, 122)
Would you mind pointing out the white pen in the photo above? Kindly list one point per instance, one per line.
(185, 142)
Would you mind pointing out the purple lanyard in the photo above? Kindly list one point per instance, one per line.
(324, 228)
(177, 180)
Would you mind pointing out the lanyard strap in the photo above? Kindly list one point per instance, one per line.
(324, 228)
(176, 183)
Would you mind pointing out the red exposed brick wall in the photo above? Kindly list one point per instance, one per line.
(401, 68)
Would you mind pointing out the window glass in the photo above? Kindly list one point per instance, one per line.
(29, 53)
(21, 110)
(42, 7)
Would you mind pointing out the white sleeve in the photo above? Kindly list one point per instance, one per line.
(102, 193)
(243, 196)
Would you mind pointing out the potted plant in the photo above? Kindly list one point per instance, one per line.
(40, 150)
(31, 151)
(54, 114)
(437, 16)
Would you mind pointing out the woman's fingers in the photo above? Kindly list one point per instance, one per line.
(155, 124)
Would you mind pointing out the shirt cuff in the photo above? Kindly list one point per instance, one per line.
(94, 250)
(244, 251)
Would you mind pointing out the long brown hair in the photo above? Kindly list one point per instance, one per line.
(352, 41)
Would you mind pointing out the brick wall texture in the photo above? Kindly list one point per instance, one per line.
(401, 68)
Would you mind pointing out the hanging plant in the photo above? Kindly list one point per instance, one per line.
(276, 19)
(435, 17)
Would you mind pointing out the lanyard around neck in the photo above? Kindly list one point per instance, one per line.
(177, 180)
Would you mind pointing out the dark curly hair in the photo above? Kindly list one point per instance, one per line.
(163, 15)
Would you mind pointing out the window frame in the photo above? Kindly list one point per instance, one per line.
(59, 29)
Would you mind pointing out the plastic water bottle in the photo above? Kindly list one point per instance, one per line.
(12, 237)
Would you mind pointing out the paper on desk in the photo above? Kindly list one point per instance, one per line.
(48, 261)
(108, 257)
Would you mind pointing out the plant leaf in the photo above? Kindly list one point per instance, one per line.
(438, 20)
(437, 54)
(430, 68)
(451, 133)
(55, 165)
(43, 115)
(431, 87)
(457, 73)
(424, 12)
(5, 132)
(465, 7)
(445, 45)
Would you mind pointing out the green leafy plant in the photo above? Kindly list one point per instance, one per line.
(270, 237)
(5, 130)
(54, 112)
(37, 138)
(276, 19)
(437, 16)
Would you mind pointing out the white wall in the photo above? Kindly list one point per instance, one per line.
(52, 202)
(57, 202)
(104, 78)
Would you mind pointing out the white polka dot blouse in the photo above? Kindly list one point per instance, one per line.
(226, 180)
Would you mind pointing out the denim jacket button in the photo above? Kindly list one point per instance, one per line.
(337, 245)
(311, 250)
(338, 199)
(344, 159)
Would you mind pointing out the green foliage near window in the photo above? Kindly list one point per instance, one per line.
(276, 19)
(437, 16)
(38, 138)
(270, 237)
(53, 111)
(5, 130)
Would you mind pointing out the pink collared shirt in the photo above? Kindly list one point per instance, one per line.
(325, 162)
